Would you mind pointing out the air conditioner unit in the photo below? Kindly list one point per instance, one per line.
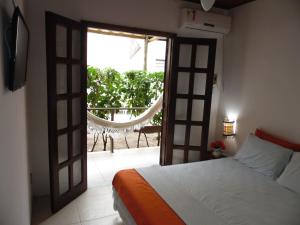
(194, 19)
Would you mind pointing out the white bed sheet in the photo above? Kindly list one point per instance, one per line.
(121, 208)
(223, 192)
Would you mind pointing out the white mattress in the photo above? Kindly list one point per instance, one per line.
(223, 192)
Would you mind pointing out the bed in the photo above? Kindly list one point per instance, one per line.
(215, 192)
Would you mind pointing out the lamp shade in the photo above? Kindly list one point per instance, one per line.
(228, 128)
(207, 4)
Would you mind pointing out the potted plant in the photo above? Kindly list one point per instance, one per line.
(217, 148)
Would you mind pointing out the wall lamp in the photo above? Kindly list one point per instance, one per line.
(228, 128)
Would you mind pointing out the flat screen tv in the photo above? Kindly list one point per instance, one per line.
(19, 41)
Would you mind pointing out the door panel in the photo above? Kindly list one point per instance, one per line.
(185, 54)
(190, 92)
(164, 156)
(199, 83)
(66, 86)
(183, 83)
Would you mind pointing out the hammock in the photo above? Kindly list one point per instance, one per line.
(102, 125)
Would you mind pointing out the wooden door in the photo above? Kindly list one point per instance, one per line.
(166, 109)
(67, 128)
(188, 100)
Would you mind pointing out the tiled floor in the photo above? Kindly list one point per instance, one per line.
(95, 206)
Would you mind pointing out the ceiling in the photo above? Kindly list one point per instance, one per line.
(225, 4)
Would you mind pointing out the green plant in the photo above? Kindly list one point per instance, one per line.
(157, 83)
(141, 89)
(103, 88)
(157, 118)
(157, 87)
(136, 88)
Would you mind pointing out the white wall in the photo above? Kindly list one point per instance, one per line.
(14, 166)
(155, 14)
(261, 69)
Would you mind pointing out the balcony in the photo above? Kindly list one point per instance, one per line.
(147, 136)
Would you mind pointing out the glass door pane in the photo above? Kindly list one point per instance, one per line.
(181, 109)
(61, 41)
(202, 56)
(183, 81)
(76, 142)
(76, 44)
(63, 180)
(178, 156)
(76, 79)
(76, 111)
(195, 136)
(62, 114)
(61, 79)
(179, 134)
(77, 175)
(62, 146)
(185, 55)
(197, 110)
(194, 156)
(200, 83)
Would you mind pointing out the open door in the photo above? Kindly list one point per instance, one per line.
(187, 100)
(67, 128)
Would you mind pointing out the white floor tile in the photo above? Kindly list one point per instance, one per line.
(95, 180)
(95, 206)
(109, 220)
(66, 216)
(98, 191)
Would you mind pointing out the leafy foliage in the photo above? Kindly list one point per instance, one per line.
(104, 89)
(157, 86)
(136, 88)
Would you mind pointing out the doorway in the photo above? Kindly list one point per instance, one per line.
(125, 80)
(185, 114)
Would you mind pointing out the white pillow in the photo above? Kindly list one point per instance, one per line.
(290, 177)
(263, 156)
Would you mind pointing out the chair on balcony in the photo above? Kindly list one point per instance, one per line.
(148, 130)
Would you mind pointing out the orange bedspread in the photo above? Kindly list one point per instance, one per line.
(142, 201)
